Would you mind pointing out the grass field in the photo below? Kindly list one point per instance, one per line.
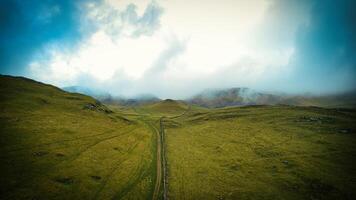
(59, 145)
(262, 152)
(56, 145)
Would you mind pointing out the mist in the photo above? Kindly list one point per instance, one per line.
(175, 49)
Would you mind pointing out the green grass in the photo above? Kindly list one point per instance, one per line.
(59, 145)
(166, 107)
(262, 152)
(55, 146)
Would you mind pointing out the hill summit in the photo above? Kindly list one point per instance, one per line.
(168, 106)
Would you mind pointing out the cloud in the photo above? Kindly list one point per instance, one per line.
(125, 22)
(174, 49)
(325, 58)
(25, 26)
(130, 53)
(120, 45)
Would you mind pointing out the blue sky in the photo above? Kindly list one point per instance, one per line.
(174, 49)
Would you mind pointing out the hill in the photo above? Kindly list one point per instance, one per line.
(245, 96)
(232, 97)
(262, 152)
(135, 101)
(59, 145)
(99, 94)
(166, 107)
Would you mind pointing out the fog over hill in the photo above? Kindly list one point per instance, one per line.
(238, 96)
(245, 96)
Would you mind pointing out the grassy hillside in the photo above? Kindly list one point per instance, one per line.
(262, 152)
(166, 107)
(58, 145)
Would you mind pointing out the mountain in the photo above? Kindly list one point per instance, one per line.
(135, 101)
(232, 97)
(168, 104)
(99, 94)
(167, 107)
(60, 145)
(245, 96)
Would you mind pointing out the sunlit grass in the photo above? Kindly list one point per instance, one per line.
(262, 153)
(57, 145)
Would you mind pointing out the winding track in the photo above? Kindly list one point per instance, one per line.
(159, 163)
(164, 160)
(159, 157)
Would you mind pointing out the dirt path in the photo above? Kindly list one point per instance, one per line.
(159, 164)
(164, 160)
(161, 172)
(159, 157)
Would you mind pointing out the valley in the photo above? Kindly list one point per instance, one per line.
(60, 145)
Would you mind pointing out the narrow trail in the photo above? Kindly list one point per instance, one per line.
(161, 159)
(163, 154)
(164, 160)
(159, 165)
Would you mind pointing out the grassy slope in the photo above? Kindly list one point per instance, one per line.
(166, 107)
(331, 101)
(262, 153)
(53, 146)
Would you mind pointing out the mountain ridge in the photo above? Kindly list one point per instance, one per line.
(244, 96)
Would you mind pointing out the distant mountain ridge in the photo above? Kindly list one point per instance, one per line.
(245, 96)
(106, 97)
(238, 96)
(232, 97)
(87, 91)
(135, 101)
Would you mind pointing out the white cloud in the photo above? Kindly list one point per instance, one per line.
(201, 44)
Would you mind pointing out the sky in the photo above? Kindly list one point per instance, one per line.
(177, 48)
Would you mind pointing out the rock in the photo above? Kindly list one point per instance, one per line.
(60, 155)
(344, 131)
(65, 180)
(95, 177)
(90, 106)
(97, 107)
(40, 153)
(315, 119)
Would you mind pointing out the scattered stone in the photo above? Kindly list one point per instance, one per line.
(97, 106)
(40, 153)
(90, 106)
(285, 162)
(96, 177)
(65, 180)
(344, 131)
(315, 119)
(60, 155)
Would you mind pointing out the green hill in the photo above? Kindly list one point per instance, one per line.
(262, 152)
(59, 145)
(166, 107)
